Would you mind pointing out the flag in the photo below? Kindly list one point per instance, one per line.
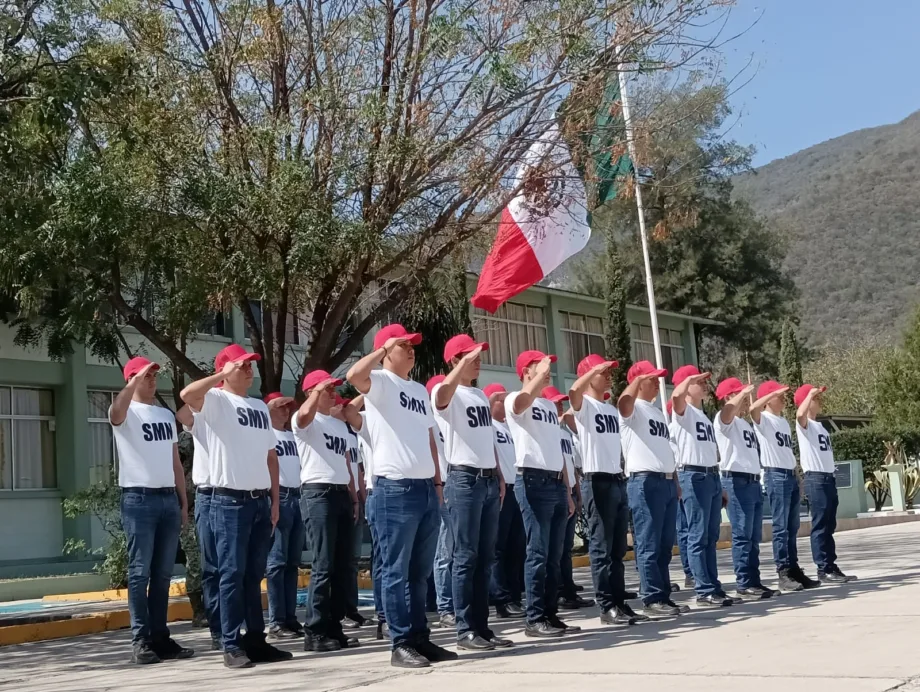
(609, 128)
(543, 225)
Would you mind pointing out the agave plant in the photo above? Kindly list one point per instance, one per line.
(879, 488)
(911, 480)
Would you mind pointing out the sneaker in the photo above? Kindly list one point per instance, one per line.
(836, 577)
(143, 654)
(217, 642)
(348, 642)
(509, 611)
(355, 621)
(277, 633)
(170, 650)
(713, 601)
(559, 624)
(675, 587)
(754, 593)
(767, 593)
(659, 609)
(626, 610)
(848, 577)
(237, 659)
(542, 629)
(689, 583)
(435, 653)
(263, 652)
(320, 643)
(575, 602)
(379, 634)
(447, 621)
(807, 582)
(787, 583)
(733, 600)
(405, 656)
(615, 618)
(499, 642)
(473, 642)
(680, 608)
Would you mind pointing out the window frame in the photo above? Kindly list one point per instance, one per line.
(674, 349)
(90, 420)
(564, 316)
(13, 417)
(492, 321)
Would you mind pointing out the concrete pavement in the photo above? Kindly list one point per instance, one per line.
(860, 637)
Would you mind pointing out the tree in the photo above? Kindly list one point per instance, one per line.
(852, 373)
(790, 362)
(616, 336)
(898, 401)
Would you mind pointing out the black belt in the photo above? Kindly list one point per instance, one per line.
(701, 469)
(542, 473)
(604, 476)
(151, 491)
(776, 469)
(205, 490)
(473, 471)
(740, 474)
(286, 491)
(241, 494)
(827, 474)
(323, 486)
(652, 474)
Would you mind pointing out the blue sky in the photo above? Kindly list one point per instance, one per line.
(821, 68)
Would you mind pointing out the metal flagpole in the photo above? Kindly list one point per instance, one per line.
(653, 312)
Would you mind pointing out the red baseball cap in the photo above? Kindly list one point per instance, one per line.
(529, 358)
(592, 360)
(494, 388)
(135, 365)
(433, 382)
(314, 377)
(728, 387)
(233, 353)
(460, 345)
(768, 387)
(553, 394)
(683, 372)
(802, 392)
(340, 400)
(396, 331)
(644, 367)
(276, 395)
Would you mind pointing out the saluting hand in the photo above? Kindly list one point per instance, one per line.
(543, 368)
(143, 372)
(232, 366)
(698, 379)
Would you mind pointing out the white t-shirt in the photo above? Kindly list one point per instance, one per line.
(567, 443)
(694, 439)
(536, 434)
(353, 453)
(322, 446)
(815, 447)
(398, 420)
(201, 462)
(504, 445)
(145, 442)
(598, 425)
(367, 454)
(439, 443)
(775, 442)
(288, 459)
(737, 445)
(646, 440)
(239, 437)
(467, 426)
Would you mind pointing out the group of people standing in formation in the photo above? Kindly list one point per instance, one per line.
(464, 482)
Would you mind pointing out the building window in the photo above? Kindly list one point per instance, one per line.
(27, 450)
(672, 346)
(103, 457)
(215, 323)
(512, 329)
(583, 335)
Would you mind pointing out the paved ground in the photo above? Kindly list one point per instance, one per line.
(861, 637)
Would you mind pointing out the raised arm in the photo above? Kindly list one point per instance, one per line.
(186, 417)
(580, 386)
(352, 413)
(730, 410)
(531, 390)
(307, 411)
(194, 394)
(120, 406)
(679, 395)
(801, 414)
(359, 374)
(758, 406)
(453, 379)
(626, 404)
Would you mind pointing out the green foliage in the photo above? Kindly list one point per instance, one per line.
(790, 364)
(879, 487)
(899, 385)
(852, 372)
(911, 480)
(103, 502)
(868, 444)
(616, 337)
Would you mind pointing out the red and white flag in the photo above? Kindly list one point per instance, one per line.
(545, 224)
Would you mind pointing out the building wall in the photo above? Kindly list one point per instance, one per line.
(34, 528)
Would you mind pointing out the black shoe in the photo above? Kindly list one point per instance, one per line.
(320, 643)
(615, 618)
(499, 642)
(575, 602)
(787, 583)
(509, 611)
(689, 583)
(713, 601)
(767, 593)
(756, 592)
(296, 628)
(807, 582)
(263, 652)
(404, 656)
(578, 588)
(625, 610)
(834, 577)
(675, 587)
(277, 633)
(473, 642)
(543, 630)
(732, 600)
(681, 609)
(347, 642)
(659, 609)
(380, 631)
(557, 623)
(237, 659)
(217, 643)
(355, 621)
(435, 653)
(630, 595)
(848, 577)
(169, 650)
(447, 621)
(143, 654)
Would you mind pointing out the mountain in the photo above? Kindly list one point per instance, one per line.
(851, 209)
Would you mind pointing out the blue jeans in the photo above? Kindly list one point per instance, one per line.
(702, 508)
(242, 529)
(283, 562)
(506, 585)
(376, 563)
(331, 523)
(821, 490)
(210, 579)
(783, 494)
(745, 511)
(682, 528)
(544, 509)
(351, 583)
(407, 528)
(151, 523)
(473, 508)
(608, 518)
(653, 501)
(566, 576)
(443, 557)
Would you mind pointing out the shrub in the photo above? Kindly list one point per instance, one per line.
(868, 444)
(102, 501)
